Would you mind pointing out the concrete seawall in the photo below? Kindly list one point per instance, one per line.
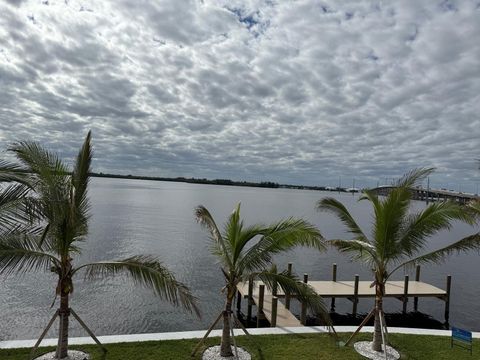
(111, 339)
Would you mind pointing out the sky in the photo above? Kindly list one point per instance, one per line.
(300, 92)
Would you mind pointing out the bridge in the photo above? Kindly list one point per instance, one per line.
(430, 195)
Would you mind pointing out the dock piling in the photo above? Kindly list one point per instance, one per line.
(417, 278)
(355, 295)
(447, 298)
(334, 278)
(273, 322)
(287, 294)
(405, 294)
(303, 315)
(250, 299)
(261, 296)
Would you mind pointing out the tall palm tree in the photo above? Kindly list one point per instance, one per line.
(245, 252)
(58, 196)
(398, 235)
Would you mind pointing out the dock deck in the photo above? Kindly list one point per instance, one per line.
(284, 317)
(351, 290)
(346, 289)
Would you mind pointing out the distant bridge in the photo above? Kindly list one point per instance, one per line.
(430, 194)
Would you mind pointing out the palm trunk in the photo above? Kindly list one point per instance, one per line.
(377, 334)
(62, 346)
(226, 346)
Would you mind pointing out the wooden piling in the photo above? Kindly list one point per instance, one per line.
(287, 294)
(417, 278)
(250, 299)
(303, 314)
(355, 295)
(447, 298)
(405, 294)
(261, 296)
(274, 288)
(334, 278)
(273, 322)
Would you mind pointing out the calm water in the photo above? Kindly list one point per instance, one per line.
(145, 217)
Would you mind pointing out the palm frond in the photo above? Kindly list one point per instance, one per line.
(419, 226)
(259, 256)
(14, 207)
(77, 214)
(10, 172)
(358, 250)
(49, 179)
(474, 208)
(293, 232)
(337, 208)
(244, 237)
(414, 177)
(372, 197)
(389, 220)
(279, 237)
(205, 219)
(234, 224)
(20, 253)
(80, 178)
(47, 167)
(149, 272)
(464, 245)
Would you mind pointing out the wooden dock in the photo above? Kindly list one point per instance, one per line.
(396, 289)
(278, 314)
(284, 318)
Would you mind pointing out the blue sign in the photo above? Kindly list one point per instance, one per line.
(460, 334)
(463, 336)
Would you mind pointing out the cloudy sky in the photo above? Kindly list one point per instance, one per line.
(303, 91)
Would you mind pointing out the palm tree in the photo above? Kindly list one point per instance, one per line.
(245, 252)
(58, 197)
(398, 235)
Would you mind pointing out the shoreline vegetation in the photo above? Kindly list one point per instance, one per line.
(227, 182)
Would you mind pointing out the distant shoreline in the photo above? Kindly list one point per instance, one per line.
(228, 182)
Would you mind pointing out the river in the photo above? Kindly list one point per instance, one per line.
(147, 217)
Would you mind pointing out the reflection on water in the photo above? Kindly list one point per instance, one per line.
(146, 217)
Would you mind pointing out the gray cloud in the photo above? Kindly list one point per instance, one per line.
(290, 91)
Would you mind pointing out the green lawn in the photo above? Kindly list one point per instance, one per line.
(278, 347)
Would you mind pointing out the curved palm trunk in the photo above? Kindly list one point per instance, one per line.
(377, 334)
(64, 313)
(64, 288)
(226, 346)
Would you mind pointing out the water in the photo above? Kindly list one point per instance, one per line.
(146, 217)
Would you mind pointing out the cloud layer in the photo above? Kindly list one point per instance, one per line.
(289, 91)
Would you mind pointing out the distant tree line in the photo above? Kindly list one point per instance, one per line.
(228, 182)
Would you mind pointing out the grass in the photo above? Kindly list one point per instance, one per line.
(269, 347)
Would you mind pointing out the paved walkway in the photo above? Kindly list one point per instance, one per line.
(110, 339)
